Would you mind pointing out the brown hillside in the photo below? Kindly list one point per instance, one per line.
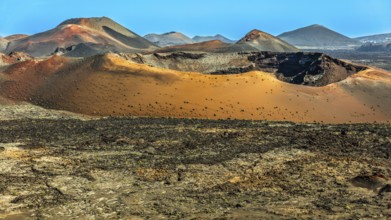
(266, 42)
(98, 31)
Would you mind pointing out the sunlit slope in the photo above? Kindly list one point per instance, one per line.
(111, 85)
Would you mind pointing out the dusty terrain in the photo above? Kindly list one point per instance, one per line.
(103, 124)
(123, 168)
(152, 85)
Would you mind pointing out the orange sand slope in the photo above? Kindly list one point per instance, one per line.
(111, 85)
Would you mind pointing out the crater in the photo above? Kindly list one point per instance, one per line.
(310, 69)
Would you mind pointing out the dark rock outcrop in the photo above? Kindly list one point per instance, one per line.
(85, 50)
(313, 69)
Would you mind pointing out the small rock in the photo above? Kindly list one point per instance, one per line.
(373, 182)
(385, 189)
(150, 150)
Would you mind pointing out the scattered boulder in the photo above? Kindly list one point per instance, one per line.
(376, 183)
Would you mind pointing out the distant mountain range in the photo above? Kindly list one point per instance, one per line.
(82, 37)
(377, 39)
(318, 36)
(198, 39)
(176, 38)
(253, 41)
(310, 37)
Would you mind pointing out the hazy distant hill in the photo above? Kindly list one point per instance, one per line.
(99, 31)
(219, 37)
(16, 37)
(266, 42)
(169, 39)
(369, 47)
(317, 36)
(378, 38)
(3, 44)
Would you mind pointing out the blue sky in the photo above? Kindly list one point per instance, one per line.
(202, 17)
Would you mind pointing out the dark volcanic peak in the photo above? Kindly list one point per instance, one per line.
(317, 36)
(266, 42)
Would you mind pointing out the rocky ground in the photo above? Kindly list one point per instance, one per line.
(145, 168)
(22, 110)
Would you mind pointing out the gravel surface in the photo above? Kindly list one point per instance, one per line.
(145, 168)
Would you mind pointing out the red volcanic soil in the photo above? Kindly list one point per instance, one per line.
(22, 80)
(14, 57)
(63, 36)
(111, 85)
